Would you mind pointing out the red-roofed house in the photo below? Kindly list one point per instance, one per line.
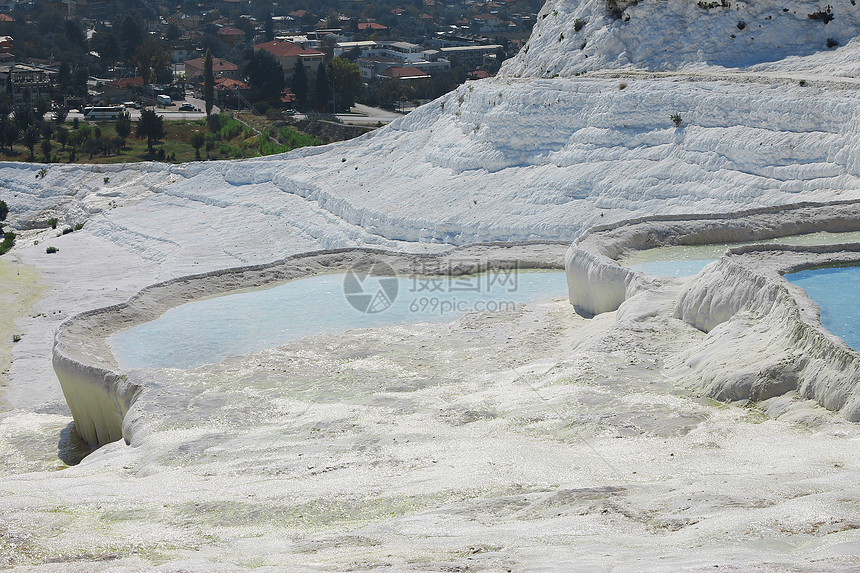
(373, 26)
(128, 82)
(288, 53)
(230, 84)
(6, 22)
(226, 91)
(490, 23)
(404, 74)
(287, 97)
(231, 35)
(221, 68)
(301, 14)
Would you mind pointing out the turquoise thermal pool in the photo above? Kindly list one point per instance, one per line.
(836, 291)
(209, 330)
(687, 260)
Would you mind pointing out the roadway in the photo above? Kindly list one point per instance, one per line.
(361, 114)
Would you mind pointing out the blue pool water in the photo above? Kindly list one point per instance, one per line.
(688, 260)
(207, 331)
(836, 291)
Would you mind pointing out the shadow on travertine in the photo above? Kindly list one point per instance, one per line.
(71, 448)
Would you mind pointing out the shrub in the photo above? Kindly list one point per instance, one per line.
(616, 7)
(8, 242)
(51, 250)
(294, 139)
(53, 222)
(711, 5)
(16, 338)
(825, 15)
(230, 127)
(741, 24)
(122, 126)
(579, 24)
(676, 119)
(831, 43)
(214, 122)
(79, 226)
(67, 230)
(4, 210)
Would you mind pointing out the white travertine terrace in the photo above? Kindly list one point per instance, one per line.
(99, 393)
(764, 334)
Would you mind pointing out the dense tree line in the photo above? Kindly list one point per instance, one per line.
(33, 128)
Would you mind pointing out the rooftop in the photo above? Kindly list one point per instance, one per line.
(283, 49)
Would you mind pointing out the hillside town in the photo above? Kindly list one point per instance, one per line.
(295, 55)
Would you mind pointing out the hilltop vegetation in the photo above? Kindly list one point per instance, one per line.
(224, 137)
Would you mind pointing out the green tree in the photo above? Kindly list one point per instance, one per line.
(208, 85)
(346, 78)
(46, 130)
(60, 115)
(269, 26)
(197, 140)
(322, 93)
(64, 77)
(30, 139)
(74, 34)
(62, 136)
(173, 32)
(104, 42)
(150, 126)
(4, 210)
(10, 131)
(80, 76)
(122, 126)
(24, 117)
(131, 33)
(150, 60)
(47, 147)
(264, 73)
(300, 85)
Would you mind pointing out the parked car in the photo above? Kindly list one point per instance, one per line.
(187, 107)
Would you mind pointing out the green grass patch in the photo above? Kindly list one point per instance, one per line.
(232, 140)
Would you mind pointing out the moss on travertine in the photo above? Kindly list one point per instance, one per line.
(19, 289)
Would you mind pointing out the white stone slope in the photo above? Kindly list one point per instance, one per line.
(507, 159)
(533, 440)
(540, 441)
(668, 35)
(764, 340)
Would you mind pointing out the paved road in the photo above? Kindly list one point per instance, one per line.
(170, 114)
(363, 115)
